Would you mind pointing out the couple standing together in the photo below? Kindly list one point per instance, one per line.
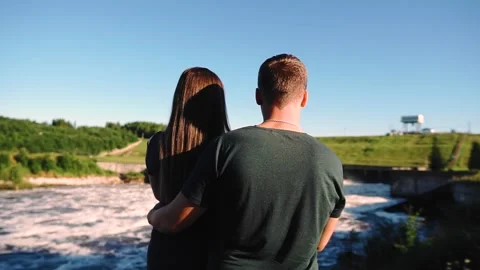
(260, 197)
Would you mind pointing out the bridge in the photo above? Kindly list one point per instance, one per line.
(404, 181)
(372, 173)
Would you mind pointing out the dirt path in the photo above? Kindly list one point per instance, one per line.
(116, 152)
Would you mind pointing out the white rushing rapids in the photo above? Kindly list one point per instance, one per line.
(105, 226)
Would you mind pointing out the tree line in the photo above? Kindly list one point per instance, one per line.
(59, 137)
(140, 128)
(62, 136)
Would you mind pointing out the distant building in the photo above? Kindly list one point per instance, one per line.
(428, 131)
(394, 132)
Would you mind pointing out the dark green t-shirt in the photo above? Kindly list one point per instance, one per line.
(269, 193)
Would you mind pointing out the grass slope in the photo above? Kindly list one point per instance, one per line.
(466, 151)
(135, 155)
(402, 151)
(407, 151)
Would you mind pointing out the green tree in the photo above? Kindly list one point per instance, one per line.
(61, 123)
(113, 125)
(144, 129)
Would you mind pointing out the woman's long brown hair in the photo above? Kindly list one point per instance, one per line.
(198, 115)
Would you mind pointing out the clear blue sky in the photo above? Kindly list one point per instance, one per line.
(369, 62)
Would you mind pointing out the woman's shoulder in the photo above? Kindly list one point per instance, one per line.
(155, 138)
(152, 156)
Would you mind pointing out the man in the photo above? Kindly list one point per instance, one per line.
(274, 194)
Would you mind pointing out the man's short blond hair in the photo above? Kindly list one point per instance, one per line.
(282, 79)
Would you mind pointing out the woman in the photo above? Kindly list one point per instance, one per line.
(198, 116)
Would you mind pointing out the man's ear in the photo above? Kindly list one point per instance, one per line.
(304, 99)
(258, 97)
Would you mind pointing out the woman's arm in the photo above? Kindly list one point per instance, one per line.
(152, 162)
(154, 184)
(327, 233)
(176, 216)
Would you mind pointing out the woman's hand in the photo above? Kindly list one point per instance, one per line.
(152, 211)
(150, 216)
(175, 216)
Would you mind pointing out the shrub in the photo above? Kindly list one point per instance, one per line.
(77, 166)
(35, 165)
(4, 173)
(22, 157)
(16, 174)
(67, 163)
(5, 160)
(12, 174)
(48, 164)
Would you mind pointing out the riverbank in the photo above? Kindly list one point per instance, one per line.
(25, 171)
(448, 238)
(7, 185)
(44, 182)
(77, 181)
(441, 232)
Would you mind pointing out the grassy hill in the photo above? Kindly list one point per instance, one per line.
(401, 151)
(408, 150)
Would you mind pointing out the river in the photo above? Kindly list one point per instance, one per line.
(104, 226)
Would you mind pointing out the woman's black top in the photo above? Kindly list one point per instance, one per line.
(184, 250)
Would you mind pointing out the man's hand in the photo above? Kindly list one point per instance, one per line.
(176, 216)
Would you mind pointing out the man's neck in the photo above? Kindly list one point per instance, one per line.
(287, 118)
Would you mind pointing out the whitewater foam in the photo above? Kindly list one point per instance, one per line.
(64, 227)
